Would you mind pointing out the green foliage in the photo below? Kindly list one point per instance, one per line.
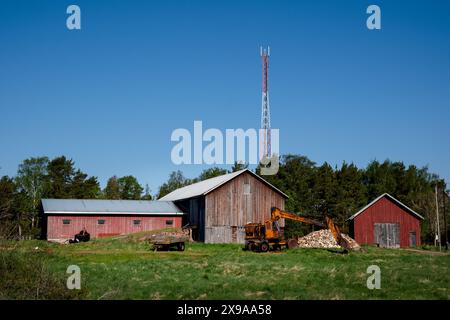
(8, 212)
(129, 188)
(239, 165)
(27, 276)
(31, 179)
(211, 173)
(112, 190)
(64, 181)
(147, 195)
(38, 178)
(176, 180)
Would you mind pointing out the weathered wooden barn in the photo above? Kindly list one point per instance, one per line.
(386, 222)
(63, 218)
(219, 207)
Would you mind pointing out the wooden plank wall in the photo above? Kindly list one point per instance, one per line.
(229, 208)
(385, 211)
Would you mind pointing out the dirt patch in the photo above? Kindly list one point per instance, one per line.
(433, 253)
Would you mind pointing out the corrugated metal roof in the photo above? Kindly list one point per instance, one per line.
(392, 198)
(76, 206)
(206, 186)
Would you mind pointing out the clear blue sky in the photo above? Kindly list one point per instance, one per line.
(110, 95)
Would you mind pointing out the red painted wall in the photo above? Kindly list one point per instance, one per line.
(114, 225)
(385, 211)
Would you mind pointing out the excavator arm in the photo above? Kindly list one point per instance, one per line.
(329, 224)
(278, 214)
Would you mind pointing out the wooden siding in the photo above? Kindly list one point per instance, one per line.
(229, 208)
(385, 211)
(114, 225)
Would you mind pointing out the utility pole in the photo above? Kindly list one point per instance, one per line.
(444, 197)
(438, 230)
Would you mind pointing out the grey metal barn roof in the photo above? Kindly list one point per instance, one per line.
(206, 186)
(78, 206)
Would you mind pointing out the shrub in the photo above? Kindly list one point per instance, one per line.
(26, 276)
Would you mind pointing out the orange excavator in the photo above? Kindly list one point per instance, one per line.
(263, 237)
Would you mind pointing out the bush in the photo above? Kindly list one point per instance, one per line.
(26, 276)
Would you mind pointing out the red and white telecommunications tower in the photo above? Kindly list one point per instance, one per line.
(265, 147)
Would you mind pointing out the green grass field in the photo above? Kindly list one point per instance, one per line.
(126, 269)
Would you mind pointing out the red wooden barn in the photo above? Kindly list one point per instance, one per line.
(386, 222)
(66, 217)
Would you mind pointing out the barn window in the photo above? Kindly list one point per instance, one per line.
(246, 188)
(136, 222)
(101, 221)
(169, 222)
(66, 221)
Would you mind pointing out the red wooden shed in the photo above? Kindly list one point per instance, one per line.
(386, 222)
(66, 217)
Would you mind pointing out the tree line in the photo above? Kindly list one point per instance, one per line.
(312, 190)
(58, 178)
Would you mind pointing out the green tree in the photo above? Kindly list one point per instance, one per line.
(112, 189)
(295, 177)
(211, 173)
(129, 187)
(379, 179)
(239, 165)
(325, 190)
(63, 181)
(83, 187)
(7, 214)
(147, 195)
(59, 179)
(351, 193)
(30, 179)
(176, 180)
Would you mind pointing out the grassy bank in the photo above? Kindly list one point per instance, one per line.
(126, 269)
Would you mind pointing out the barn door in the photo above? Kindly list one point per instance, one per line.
(393, 235)
(396, 230)
(412, 239)
(387, 235)
(380, 235)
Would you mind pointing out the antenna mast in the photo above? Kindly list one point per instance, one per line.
(265, 110)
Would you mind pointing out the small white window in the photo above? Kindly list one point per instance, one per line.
(246, 188)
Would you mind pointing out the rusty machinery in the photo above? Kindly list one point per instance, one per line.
(263, 237)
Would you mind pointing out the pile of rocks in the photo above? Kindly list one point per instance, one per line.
(324, 239)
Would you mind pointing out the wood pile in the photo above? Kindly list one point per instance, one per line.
(324, 239)
(167, 236)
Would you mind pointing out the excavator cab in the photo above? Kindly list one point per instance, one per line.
(254, 231)
(273, 230)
